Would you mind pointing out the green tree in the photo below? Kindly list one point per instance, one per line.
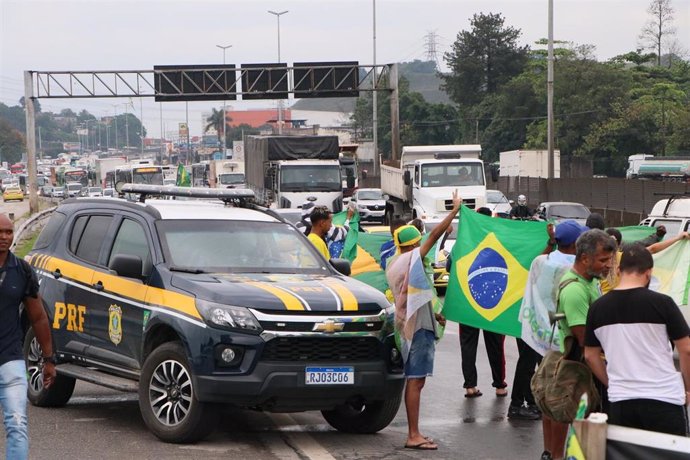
(215, 121)
(483, 59)
(12, 143)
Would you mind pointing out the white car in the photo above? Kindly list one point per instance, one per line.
(371, 204)
(497, 202)
(58, 192)
(558, 211)
(73, 189)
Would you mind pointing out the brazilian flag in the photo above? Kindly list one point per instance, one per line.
(183, 179)
(346, 249)
(635, 233)
(491, 260)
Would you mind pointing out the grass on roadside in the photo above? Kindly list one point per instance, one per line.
(25, 246)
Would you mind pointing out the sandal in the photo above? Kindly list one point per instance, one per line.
(473, 393)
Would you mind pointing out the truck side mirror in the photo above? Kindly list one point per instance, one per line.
(364, 173)
(268, 182)
(350, 181)
(406, 177)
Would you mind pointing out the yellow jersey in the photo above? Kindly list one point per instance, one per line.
(320, 244)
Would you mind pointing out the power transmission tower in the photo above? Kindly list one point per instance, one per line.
(430, 41)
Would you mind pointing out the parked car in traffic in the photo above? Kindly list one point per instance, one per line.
(91, 191)
(46, 190)
(557, 211)
(371, 204)
(497, 202)
(58, 192)
(12, 194)
(72, 189)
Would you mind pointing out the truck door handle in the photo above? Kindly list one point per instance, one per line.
(56, 273)
(98, 286)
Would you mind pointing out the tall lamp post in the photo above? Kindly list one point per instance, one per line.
(280, 102)
(225, 125)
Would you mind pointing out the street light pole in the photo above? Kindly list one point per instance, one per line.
(280, 102)
(225, 125)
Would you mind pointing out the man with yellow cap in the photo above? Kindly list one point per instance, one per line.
(415, 319)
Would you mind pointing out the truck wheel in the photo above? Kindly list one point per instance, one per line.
(167, 399)
(367, 419)
(62, 388)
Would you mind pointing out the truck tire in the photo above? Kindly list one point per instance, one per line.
(62, 388)
(167, 398)
(367, 419)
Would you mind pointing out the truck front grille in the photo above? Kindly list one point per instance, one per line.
(470, 203)
(322, 349)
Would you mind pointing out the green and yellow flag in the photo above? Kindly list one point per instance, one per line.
(183, 179)
(491, 260)
(348, 248)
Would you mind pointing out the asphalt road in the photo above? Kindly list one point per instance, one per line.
(105, 424)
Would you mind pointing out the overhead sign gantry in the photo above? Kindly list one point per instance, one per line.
(209, 83)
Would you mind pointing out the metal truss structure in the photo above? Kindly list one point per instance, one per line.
(213, 82)
(217, 82)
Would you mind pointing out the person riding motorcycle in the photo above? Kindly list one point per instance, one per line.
(521, 211)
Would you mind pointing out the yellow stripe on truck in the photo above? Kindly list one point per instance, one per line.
(290, 301)
(123, 287)
(173, 300)
(348, 298)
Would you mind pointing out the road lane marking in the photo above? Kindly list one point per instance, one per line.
(303, 443)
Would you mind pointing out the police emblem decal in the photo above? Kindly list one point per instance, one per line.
(115, 323)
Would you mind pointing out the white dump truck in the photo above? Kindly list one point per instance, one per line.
(421, 184)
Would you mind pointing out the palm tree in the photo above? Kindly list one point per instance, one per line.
(216, 121)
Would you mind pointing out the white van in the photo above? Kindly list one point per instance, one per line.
(673, 213)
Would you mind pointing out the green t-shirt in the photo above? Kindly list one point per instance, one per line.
(574, 300)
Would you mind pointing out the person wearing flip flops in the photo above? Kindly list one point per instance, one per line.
(415, 320)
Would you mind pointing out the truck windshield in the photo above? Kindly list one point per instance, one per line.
(452, 174)
(224, 246)
(310, 178)
(231, 179)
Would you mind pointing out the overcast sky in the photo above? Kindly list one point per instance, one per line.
(136, 35)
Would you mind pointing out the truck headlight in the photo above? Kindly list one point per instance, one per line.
(228, 316)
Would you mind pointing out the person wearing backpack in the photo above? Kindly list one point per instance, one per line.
(636, 328)
(18, 284)
(579, 289)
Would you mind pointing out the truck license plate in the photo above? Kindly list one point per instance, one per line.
(330, 376)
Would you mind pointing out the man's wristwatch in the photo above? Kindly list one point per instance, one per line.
(48, 359)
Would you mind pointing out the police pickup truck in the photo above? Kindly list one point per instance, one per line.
(195, 303)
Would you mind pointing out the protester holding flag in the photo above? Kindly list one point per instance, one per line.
(635, 327)
(580, 288)
(321, 221)
(336, 234)
(415, 319)
(544, 276)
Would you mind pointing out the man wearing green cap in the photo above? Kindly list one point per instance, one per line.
(415, 319)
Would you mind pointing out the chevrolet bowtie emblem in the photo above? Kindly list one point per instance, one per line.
(328, 326)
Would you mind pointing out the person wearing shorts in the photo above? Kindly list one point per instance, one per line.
(415, 320)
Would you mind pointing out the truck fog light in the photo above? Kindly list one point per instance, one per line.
(228, 355)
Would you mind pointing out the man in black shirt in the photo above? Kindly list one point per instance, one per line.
(634, 327)
(521, 211)
(18, 285)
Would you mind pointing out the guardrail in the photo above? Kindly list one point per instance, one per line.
(31, 225)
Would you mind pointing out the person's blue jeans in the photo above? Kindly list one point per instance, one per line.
(13, 388)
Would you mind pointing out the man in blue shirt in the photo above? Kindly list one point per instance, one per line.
(18, 284)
